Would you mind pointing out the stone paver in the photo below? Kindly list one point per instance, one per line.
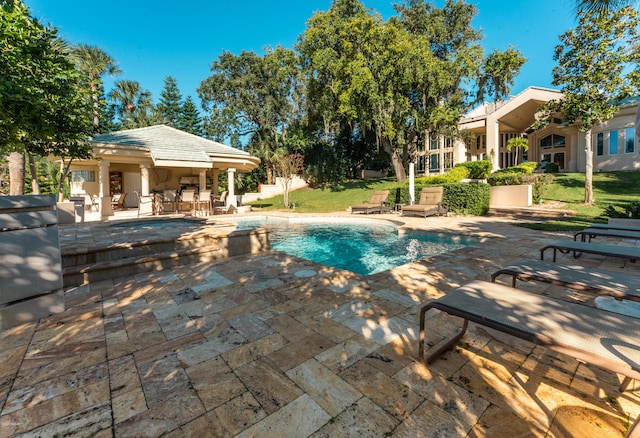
(271, 345)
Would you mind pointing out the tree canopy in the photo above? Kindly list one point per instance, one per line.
(597, 67)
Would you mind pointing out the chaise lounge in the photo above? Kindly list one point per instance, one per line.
(605, 339)
(591, 233)
(377, 204)
(430, 204)
(616, 284)
(565, 246)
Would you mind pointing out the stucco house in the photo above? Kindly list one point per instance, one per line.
(492, 125)
(154, 159)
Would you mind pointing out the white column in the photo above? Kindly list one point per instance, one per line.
(493, 143)
(216, 174)
(202, 179)
(231, 197)
(144, 179)
(412, 188)
(105, 196)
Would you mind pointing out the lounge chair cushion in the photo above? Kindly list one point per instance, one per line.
(377, 203)
(429, 204)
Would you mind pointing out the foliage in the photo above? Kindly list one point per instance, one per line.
(629, 211)
(551, 167)
(170, 105)
(93, 63)
(190, 120)
(255, 97)
(517, 143)
(540, 183)
(522, 169)
(462, 198)
(597, 67)
(480, 169)
(456, 174)
(497, 74)
(134, 105)
(44, 107)
(286, 167)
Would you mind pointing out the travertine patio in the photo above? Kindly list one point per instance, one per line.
(270, 345)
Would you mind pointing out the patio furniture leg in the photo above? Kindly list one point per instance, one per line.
(448, 344)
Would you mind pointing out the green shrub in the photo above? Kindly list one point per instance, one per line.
(551, 168)
(505, 178)
(480, 169)
(539, 184)
(463, 198)
(523, 168)
(456, 174)
(631, 210)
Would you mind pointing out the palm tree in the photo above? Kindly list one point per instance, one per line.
(94, 63)
(601, 6)
(129, 99)
(517, 143)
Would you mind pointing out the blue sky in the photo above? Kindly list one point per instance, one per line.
(154, 39)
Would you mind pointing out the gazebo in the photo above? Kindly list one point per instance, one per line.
(153, 159)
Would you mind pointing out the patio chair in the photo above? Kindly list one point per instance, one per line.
(377, 204)
(430, 204)
(566, 246)
(616, 284)
(605, 339)
(188, 197)
(117, 201)
(203, 204)
(169, 201)
(591, 233)
(145, 204)
(220, 204)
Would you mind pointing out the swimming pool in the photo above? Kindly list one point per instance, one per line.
(363, 247)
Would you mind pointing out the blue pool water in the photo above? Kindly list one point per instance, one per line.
(364, 248)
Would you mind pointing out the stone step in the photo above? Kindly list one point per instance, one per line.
(529, 213)
(95, 264)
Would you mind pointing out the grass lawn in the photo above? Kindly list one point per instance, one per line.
(610, 188)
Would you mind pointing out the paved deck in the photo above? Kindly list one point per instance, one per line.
(274, 346)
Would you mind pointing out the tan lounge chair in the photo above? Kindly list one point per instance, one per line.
(591, 233)
(615, 284)
(565, 246)
(605, 339)
(377, 204)
(430, 204)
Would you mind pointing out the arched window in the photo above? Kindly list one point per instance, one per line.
(552, 141)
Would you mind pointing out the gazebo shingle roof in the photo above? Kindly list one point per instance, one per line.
(169, 144)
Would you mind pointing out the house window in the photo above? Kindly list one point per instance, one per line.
(434, 163)
(448, 160)
(613, 142)
(420, 164)
(558, 158)
(629, 141)
(83, 176)
(552, 141)
(600, 143)
(433, 142)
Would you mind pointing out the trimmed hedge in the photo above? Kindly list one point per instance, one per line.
(456, 174)
(463, 198)
(480, 169)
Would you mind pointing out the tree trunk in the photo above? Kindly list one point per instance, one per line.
(35, 187)
(396, 160)
(16, 174)
(588, 170)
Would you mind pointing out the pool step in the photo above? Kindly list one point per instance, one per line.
(94, 264)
